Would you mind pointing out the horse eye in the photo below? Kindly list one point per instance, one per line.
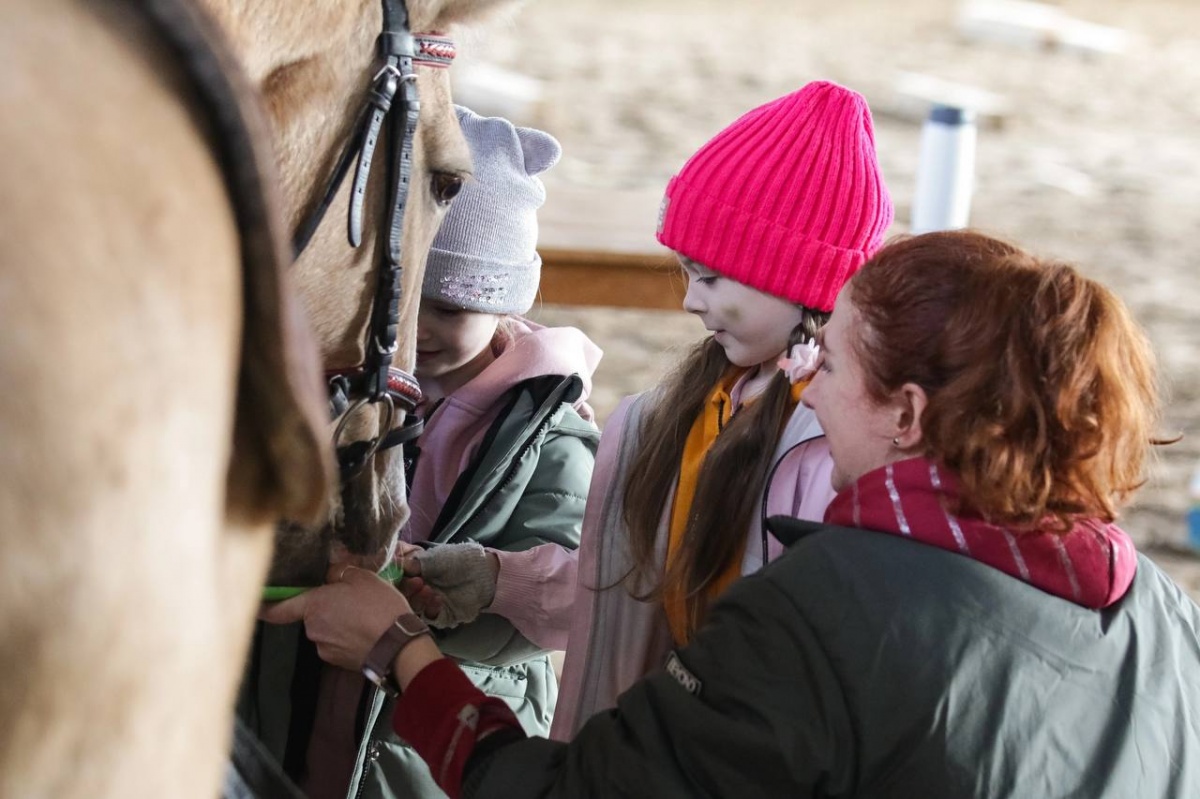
(445, 187)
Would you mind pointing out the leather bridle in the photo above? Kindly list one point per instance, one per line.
(391, 99)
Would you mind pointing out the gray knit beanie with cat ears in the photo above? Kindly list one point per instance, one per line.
(484, 257)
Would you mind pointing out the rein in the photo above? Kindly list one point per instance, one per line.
(376, 380)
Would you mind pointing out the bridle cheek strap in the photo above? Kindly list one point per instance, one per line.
(376, 380)
(431, 50)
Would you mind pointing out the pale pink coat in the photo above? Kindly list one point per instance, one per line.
(635, 638)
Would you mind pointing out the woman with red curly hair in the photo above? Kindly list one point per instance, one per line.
(968, 621)
(1010, 402)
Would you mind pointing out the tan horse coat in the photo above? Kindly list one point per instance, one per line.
(129, 572)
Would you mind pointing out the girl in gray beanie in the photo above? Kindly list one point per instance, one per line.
(499, 478)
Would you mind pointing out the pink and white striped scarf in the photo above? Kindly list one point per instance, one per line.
(1091, 565)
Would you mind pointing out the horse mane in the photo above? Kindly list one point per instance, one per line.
(280, 464)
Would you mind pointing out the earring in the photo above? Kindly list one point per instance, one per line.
(896, 442)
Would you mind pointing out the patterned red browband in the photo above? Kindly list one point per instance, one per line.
(434, 50)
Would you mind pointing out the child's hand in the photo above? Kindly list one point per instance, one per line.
(426, 602)
(450, 584)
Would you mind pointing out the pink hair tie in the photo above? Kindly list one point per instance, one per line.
(801, 362)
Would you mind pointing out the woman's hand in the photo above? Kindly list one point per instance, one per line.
(344, 617)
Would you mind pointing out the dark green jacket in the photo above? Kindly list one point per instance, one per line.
(867, 665)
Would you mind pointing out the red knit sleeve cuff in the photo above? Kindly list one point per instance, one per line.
(441, 714)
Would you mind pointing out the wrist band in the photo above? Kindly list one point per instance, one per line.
(377, 667)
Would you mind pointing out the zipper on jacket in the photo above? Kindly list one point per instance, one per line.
(546, 410)
(362, 778)
(512, 468)
(371, 753)
(369, 758)
(464, 480)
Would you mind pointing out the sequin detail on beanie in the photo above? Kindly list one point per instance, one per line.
(476, 291)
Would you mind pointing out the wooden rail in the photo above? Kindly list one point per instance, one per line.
(598, 248)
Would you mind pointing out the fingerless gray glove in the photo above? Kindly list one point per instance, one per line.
(462, 575)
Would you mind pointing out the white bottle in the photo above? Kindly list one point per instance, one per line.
(945, 171)
(1193, 514)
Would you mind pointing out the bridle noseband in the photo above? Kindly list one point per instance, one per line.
(376, 381)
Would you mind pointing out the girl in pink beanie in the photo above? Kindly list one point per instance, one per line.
(768, 219)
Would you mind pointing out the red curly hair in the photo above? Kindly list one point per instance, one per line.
(1042, 388)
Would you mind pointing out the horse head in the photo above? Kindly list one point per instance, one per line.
(314, 66)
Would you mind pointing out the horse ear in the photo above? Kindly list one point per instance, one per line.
(281, 466)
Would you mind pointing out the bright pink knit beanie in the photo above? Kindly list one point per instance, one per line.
(789, 199)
